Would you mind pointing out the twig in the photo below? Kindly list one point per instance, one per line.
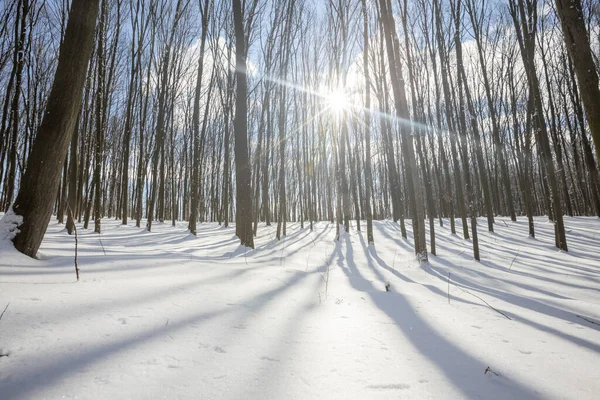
(448, 287)
(76, 243)
(488, 369)
(101, 244)
(511, 264)
(1, 315)
(583, 318)
(488, 304)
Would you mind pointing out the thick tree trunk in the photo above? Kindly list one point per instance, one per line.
(242, 164)
(39, 184)
(577, 42)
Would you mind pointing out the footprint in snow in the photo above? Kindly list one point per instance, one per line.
(123, 321)
(524, 352)
(476, 327)
(219, 350)
(269, 359)
(392, 386)
(101, 380)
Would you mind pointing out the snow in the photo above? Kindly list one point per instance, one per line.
(169, 315)
(9, 227)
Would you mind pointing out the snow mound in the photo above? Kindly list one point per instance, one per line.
(9, 227)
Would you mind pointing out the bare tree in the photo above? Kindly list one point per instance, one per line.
(40, 182)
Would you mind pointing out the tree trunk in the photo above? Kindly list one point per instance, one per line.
(577, 42)
(242, 164)
(40, 182)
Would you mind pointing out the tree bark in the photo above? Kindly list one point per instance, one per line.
(41, 179)
(577, 42)
(242, 165)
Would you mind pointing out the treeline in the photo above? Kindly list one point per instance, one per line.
(352, 110)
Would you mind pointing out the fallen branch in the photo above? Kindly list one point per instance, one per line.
(511, 264)
(488, 304)
(488, 369)
(591, 321)
(1, 315)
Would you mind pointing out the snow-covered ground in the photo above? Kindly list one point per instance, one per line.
(168, 315)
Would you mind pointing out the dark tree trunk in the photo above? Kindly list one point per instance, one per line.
(39, 184)
(242, 165)
(577, 42)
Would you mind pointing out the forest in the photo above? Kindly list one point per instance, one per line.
(456, 135)
(363, 110)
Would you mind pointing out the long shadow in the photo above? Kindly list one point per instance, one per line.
(403, 243)
(549, 257)
(22, 386)
(556, 265)
(112, 250)
(70, 313)
(86, 262)
(273, 367)
(371, 252)
(523, 286)
(514, 271)
(519, 301)
(314, 239)
(297, 250)
(459, 367)
(530, 304)
(288, 240)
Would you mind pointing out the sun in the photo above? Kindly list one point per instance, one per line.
(337, 100)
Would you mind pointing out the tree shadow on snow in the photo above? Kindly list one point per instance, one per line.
(462, 370)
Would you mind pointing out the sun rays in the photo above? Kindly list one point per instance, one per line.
(337, 100)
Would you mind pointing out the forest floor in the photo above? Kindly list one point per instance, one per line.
(167, 315)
